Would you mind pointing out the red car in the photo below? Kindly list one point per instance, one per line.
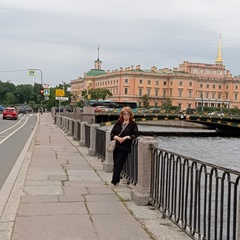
(10, 112)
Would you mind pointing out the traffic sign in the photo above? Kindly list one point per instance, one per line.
(62, 98)
(60, 92)
(46, 92)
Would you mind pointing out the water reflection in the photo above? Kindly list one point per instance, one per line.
(217, 150)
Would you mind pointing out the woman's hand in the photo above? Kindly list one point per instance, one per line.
(121, 140)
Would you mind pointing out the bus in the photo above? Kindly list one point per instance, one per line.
(113, 104)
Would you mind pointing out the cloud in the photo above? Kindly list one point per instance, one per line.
(61, 37)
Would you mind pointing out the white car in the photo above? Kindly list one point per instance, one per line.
(219, 114)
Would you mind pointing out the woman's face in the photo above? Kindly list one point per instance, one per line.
(126, 116)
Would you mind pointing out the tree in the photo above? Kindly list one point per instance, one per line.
(167, 104)
(24, 93)
(145, 100)
(96, 94)
(10, 99)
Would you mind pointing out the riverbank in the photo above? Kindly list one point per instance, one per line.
(173, 123)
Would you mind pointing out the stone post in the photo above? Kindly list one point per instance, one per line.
(63, 122)
(92, 148)
(70, 124)
(82, 140)
(59, 121)
(108, 163)
(66, 128)
(140, 193)
(75, 135)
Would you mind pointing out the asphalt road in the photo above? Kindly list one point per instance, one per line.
(13, 137)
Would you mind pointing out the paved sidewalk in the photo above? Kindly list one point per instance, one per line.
(62, 193)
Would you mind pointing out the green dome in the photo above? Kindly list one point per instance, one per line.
(95, 72)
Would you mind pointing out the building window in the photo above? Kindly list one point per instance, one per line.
(126, 80)
(180, 92)
(140, 92)
(156, 92)
(171, 82)
(140, 81)
(201, 85)
(207, 86)
(189, 94)
(236, 96)
(226, 95)
(226, 86)
(149, 82)
(219, 96)
(236, 86)
(148, 92)
(190, 84)
(164, 93)
(219, 86)
(157, 82)
(207, 95)
(171, 93)
(180, 83)
(165, 83)
(213, 95)
(213, 86)
(125, 90)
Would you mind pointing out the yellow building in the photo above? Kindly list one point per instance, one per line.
(189, 86)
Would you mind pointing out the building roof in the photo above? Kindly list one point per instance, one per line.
(95, 72)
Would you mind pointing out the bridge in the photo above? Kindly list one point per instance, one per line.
(222, 123)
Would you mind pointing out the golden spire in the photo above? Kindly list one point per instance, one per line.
(219, 60)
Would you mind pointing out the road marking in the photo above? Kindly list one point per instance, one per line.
(3, 140)
(11, 126)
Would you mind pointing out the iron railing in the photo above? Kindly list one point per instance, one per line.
(200, 198)
(78, 130)
(130, 169)
(87, 135)
(100, 143)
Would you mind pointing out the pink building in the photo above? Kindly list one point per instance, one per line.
(189, 85)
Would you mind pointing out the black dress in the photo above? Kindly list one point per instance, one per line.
(121, 151)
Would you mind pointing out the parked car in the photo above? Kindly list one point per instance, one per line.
(10, 113)
(219, 114)
(188, 110)
(1, 108)
(142, 110)
(154, 110)
(28, 109)
(68, 109)
(103, 109)
(22, 109)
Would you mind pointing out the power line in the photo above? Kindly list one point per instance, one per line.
(21, 70)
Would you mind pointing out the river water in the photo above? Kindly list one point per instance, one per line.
(221, 151)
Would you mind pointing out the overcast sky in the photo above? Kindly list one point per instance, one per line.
(61, 37)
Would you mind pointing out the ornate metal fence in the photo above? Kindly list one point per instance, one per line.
(130, 169)
(201, 198)
(87, 135)
(100, 143)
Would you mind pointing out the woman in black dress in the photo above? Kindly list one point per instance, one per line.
(124, 141)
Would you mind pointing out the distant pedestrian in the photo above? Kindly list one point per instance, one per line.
(124, 131)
